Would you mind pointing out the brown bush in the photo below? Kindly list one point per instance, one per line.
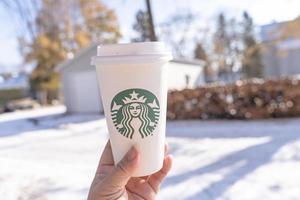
(248, 99)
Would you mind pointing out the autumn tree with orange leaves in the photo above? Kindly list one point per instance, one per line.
(54, 30)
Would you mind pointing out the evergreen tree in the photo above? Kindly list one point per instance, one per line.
(201, 54)
(221, 43)
(251, 60)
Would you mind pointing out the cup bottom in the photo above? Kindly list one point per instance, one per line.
(147, 173)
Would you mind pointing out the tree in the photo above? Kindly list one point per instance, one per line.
(150, 22)
(142, 26)
(176, 32)
(228, 49)
(201, 54)
(251, 60)
(53, 30)
(99, 22)
(221, 43)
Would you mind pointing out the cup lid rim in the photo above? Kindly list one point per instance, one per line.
(132, 49)
(130, 59)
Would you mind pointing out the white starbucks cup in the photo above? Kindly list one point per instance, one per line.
(133, 84)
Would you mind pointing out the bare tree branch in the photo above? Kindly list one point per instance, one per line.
(25, 14)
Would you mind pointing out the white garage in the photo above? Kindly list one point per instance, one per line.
(79, 82)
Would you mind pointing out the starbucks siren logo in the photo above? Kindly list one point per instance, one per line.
(135, 103)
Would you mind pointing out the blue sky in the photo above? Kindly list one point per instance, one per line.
(263, 12)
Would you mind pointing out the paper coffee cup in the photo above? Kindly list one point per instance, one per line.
(133, 84)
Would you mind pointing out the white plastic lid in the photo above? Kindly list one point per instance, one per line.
(129, 51)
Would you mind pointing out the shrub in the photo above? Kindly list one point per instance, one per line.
(248, 99)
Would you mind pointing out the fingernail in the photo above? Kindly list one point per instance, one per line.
(131, 154)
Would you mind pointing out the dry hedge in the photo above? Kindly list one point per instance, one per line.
(248, 99)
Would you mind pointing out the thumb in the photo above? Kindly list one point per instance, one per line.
(123, 171)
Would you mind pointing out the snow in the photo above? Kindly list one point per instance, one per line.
(46, 154)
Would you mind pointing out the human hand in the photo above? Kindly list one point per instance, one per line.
(115, 182)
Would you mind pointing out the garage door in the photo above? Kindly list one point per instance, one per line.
(84, 92)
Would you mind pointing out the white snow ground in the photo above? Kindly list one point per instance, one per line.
(46, 156)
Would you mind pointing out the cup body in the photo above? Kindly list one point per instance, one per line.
(134, 96)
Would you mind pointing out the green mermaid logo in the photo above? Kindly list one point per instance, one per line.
(131, 105)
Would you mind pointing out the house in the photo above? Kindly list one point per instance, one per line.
(80, 91)
(279, 57)
(185, 74)
(12, 87)
(15, 81)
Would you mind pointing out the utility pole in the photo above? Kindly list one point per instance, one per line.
(150, 21)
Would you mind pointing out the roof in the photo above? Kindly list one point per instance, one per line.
(62, 66)
(66, 64)
(195, 62)
(270, 32)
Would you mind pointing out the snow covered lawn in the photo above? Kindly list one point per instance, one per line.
(46, 155)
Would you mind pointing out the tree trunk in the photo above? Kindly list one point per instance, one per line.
(150, 21)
